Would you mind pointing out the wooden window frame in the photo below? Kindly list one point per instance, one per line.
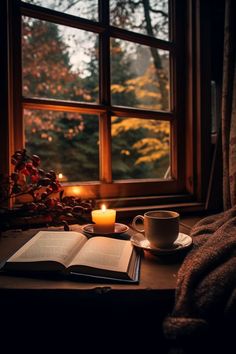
(189, 114)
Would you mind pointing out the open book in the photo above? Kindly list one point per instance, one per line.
(72, 253)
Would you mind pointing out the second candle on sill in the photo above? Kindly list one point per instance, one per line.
(104, 220)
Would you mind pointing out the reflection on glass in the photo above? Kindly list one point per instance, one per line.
(140, 148)
(146, 17)
(87, 9)
(139, 76)
(66, 142)
(59, 62)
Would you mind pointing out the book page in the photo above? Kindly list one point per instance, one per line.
(60, 246)
(105, 253)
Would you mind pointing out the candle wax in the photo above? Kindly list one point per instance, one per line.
(104, 220)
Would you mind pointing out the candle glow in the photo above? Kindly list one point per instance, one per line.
(104, 220)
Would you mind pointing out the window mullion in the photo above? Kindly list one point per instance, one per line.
(105, 97)
(15, 75)
(105, 148)
(177, 99)
(46, 14)
(5, 122)
(141, 39)
(60, 105)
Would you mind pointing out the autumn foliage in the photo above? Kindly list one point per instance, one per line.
(140, 147)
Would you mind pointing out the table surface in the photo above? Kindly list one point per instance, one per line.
(156, 273)
(45, 309)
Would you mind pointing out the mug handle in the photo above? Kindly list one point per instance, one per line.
(137, 217)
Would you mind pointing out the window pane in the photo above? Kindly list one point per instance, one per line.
(139, 76)
(147, 17)
(59, 62)
(87, 9)
(66, 142)
(140, 148)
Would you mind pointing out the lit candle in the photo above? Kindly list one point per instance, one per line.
(61, 177)
(104, 220)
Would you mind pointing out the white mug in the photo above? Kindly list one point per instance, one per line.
(161, 227)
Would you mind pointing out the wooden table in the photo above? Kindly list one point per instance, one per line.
(97, 306)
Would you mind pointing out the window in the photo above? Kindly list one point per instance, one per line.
(104, 92)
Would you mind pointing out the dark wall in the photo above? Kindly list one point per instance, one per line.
(217, 13)
(217, 39)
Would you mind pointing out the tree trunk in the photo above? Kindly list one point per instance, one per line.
(156, 58)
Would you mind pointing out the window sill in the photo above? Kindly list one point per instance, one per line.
(182, 208)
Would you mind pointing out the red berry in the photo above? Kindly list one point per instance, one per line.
(36, 158)
(66, 200)
(41, 172)
(18, 155)
(20, 165)
(44, 182)
(85, 205)
(53, 175)
(34, 171)
(25, 172)
(49, 190)
(54, 186)
(34, 178)
(77, 209)
(29, 166)
(67, 209)
(50, 203)
(59, 207)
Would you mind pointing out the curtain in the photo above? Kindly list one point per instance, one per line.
(229, 107)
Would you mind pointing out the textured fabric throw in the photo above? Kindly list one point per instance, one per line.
(204, 316)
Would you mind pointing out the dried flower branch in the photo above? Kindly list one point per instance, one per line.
(42, 186)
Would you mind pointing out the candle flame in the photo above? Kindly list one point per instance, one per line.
(60, 175)
(103, 208)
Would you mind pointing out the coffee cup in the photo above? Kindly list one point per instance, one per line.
(161, 227)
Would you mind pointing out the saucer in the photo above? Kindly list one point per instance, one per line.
(181, 243)
(118, 230)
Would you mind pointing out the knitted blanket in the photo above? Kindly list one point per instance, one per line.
(204, 315)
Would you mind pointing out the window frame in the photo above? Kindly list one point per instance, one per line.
(189, 108)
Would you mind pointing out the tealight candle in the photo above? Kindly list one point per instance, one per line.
(104, 220)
